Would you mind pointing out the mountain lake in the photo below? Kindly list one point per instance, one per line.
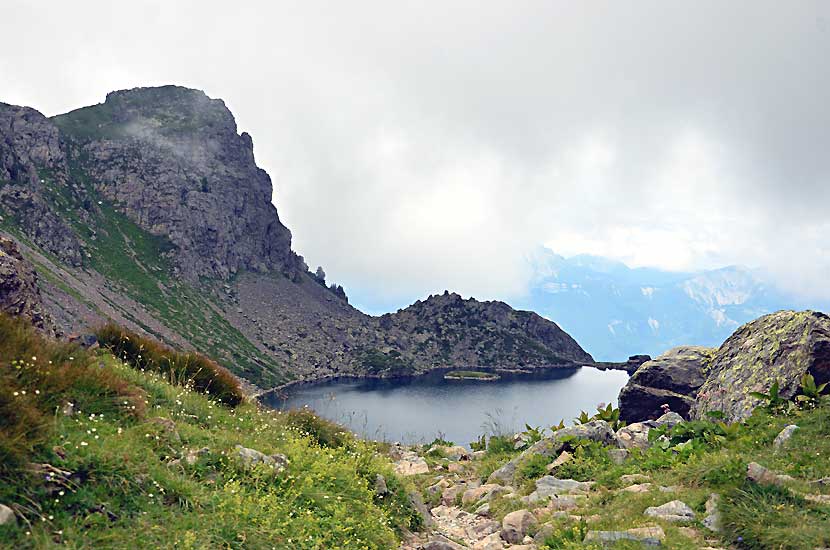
(419, 409)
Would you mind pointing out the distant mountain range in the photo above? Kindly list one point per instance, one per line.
(614, 311)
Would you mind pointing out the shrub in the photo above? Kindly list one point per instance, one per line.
(324, 432)
(193, 369)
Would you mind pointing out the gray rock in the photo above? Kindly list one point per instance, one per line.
(763, 476)
(634, 478)
(380, 485)
(618, 456)
(784, 436)
(668, 420)
(418, 504)
(19, 290)
(192, 456)
(712, 519)
(251, 458)
(411, 464)
(647, 536)
(549, 486)
(635, 436)
(515, 526)
(673, 379)
(7, 516)
(441, 543)
(675, 511)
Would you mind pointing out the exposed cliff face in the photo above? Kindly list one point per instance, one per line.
(150, 210)
(19, 290)
(172, 159)
(31, 146)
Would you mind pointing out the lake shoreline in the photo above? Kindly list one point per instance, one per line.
(501, 369)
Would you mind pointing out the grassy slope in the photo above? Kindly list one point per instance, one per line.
(136, 262)
(127, 492)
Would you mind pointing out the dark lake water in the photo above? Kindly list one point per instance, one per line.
(416, 410)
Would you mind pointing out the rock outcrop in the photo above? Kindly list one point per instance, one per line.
(19, 291)
(671, 379)
(780, 347)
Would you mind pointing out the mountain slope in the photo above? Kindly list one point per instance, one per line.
(149, 209)
(616, 311)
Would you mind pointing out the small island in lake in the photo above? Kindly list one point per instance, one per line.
(471, 375)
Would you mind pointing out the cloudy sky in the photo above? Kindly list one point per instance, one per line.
(427, 145)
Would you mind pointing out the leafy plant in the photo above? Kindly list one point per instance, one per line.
(480, 444)
(532, 434)
(811, 394)
(774, 402)
(583, 418)
(558, 427)
(611, 415)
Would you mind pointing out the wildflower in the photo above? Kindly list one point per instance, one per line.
(84, 444)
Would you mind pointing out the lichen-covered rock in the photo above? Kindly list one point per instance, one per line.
(781, 347)
(674, 511)
(19, 291)
(784, 436)
(647, 536)
(251, 458)
(671, 379)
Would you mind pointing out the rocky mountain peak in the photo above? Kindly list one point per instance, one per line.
(171, 159)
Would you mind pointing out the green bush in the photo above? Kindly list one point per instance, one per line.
(193, 369)
(324, 432)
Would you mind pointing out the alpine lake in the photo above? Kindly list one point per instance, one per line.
(456, 408)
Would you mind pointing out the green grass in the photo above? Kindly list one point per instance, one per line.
(128, 487)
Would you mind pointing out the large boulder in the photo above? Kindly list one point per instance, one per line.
(671, 379)
(781, 347)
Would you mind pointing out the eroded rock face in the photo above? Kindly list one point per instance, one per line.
(33, 166)
(673, 378)
(172, 158)
(779, 347)
(19, 292)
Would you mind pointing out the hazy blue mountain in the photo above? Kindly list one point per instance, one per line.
(614, 311)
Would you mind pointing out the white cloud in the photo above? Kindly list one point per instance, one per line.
(417, 147)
